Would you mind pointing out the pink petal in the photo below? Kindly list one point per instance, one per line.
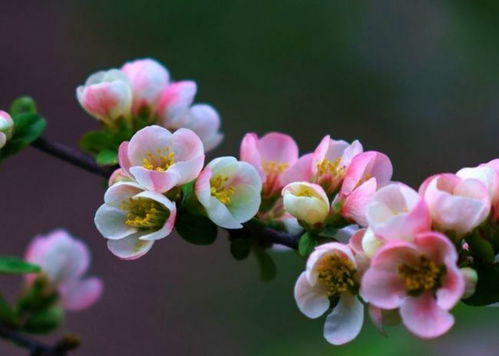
(123, 157)
(148, 140)
(156, 181)
(175, 102)
(383, 288)
(278, 147)
(81, 294)
(186, 145)
(355, 204)
(301, 171)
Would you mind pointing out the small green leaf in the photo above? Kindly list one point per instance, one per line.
(240, 248)
(44, 321)
(196, 229)
(23, 104)
(7, 313)
(487, 287)
(480, 248)
(329, 232)
(107, 157)
(28, 127)
(306, 244)
(14, 265)
(268, 269)
(96, 141)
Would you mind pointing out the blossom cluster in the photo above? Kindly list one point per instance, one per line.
(141, 93)
(410, 258)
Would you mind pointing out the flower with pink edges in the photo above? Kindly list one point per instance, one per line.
(366, 173)
(204, 120)
(271, 155)
(159, 160)
(229, 190)
(397, 212)
(132, 219)
(64, 260)
(6, 128)
(421, 278)
(106, 95)
(307, 202)
(493, 185)
(331, 273)
(147, 78)
(456, 204)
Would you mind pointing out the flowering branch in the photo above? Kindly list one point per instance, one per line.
(37, 348)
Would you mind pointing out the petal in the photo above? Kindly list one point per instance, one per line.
(245, 203)
(355, 205)
(110, 222)
(175, 101)
(220, 215)
(345, 322)
(424, 318)
(311, 300)
(202, 187)
(186, 145)
(129, 248)
(278, 147)
(157, 181)
(383, 289)
(187, 171)
(148, 140)
(79, 295)
(123, 157)
(301, 171)
(121, 191)
(249, 152)
(204, 120)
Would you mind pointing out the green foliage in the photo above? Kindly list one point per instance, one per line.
(7, 314)
(307, 244)
(196, 229)
(23, 104)
(487, 288)
(240, 248)
(44, 321)
(14, 265)
(480, 248)
(268, 269)
(107, 157)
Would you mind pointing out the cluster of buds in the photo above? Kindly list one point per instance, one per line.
(412, 259)
(156, 168)
(140, 93)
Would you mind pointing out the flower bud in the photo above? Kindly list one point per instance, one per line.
(470, 280)
(6, 128)
(106, 95)
(307, 202)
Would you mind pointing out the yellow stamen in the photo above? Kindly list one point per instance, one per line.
(336, 273)
(424, 276)
(145, 214)
(220, 190)
(274, 168)
(160, 161)
(326, 167)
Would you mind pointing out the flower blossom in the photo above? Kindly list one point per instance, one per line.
(229, 190)
(6, 128)
(271, 155)
(132, 219)
(421, 278)
(159, 160)
(64, 260)
(456, 204)
(307, 202)
(331, 274)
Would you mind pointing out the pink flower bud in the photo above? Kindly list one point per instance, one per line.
(307, 202)
(6, 128)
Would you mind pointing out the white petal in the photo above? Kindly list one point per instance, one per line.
(312, 300)
(345, 322)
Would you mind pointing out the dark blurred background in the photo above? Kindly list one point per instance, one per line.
(418, 80)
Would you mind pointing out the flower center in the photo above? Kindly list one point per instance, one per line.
(160, 161)
(329, 174)
(220, 189)
(274, 168)
(145, 214)
(336, 273)
(424, 276)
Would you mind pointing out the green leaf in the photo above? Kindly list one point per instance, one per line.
(14, 265)
(96, 141)
(268, 269)
(196, 229)
(23, 104)
(44, 321)
(240, 248)
(7, 313)
(480, 248)
(107, 157)
(329, 232)
(28, 127)
(487, 287)
(306, 244)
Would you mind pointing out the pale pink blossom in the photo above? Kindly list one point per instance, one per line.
(229, 190)
(132, 219)
(64, 260)
(204, 120)
(147, 78)
(456, 204)
(6, 128)
(331, 272)
(493, 187)
(421, 278)
(159, 160)
(174, 104)
(307, 202)
(366, 173)
(271, 155)
(397, 212)
(106, 95)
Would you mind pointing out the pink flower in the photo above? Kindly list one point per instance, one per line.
(456, 204)
(271, 155)
(204, 120)
(366, 173)
(331, 272)
(493, 185)
(6, 128)
(64, 260)
(330, 161)
(106, 95)
(174, 104)
(229, 190)
(132, 219)
(147, 78)
(397, 212)
(159, 160)
(421, 278)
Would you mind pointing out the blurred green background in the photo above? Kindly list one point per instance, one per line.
(418, 80)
